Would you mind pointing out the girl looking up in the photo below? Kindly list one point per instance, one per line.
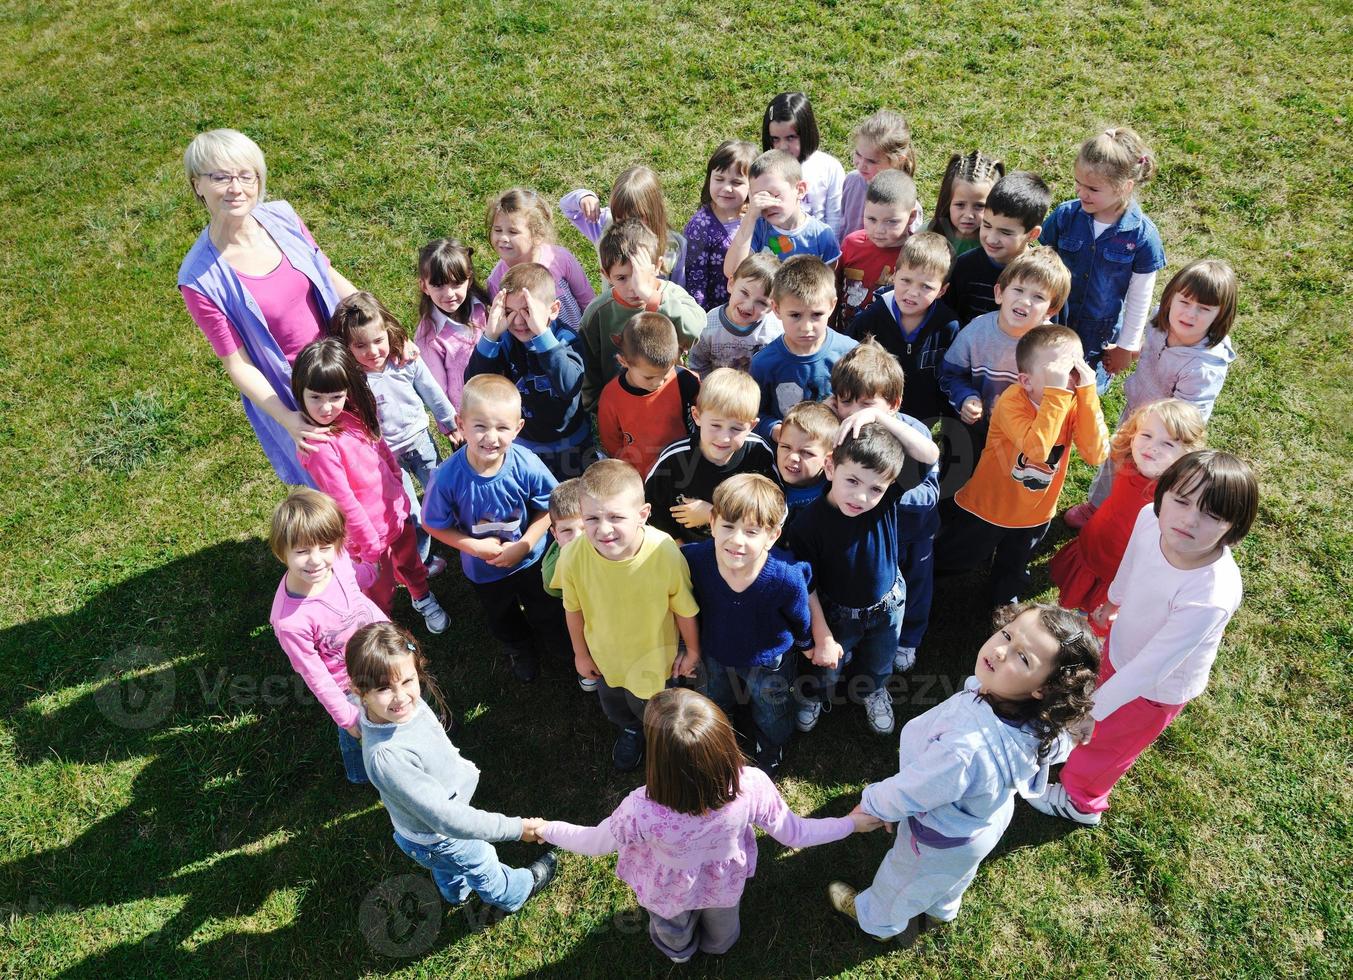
(521, 229)
(356, 468)
(968, 179)
(711, 230)
(452, 309)
(636, 193)
(882, 142)
(789, 124)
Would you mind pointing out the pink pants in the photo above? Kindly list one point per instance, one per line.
(1092, 770)
(400, 561)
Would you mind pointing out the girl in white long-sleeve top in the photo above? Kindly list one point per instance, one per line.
(962, 763)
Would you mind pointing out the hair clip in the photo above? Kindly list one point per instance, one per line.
(1141, 159)
(410, 647)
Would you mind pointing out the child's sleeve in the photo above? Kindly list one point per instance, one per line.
(798, 575)
(589, 331)
(956, 372)
(762, 370)
(304, 656)
(430, 391)
(826, 246)
(1192, 632)
(399, 777)
(571, 206)
(701, 255)
(495, 277)
(688, 385)
(941, 774)
(690, 318)
(1052, 228)
(1090, 434)
(330, 475)
(832, 213)
(561, 359)
(593, 841)
(660, 493)
(439, 500)
(430, 354)
(770, 812)
(609, 430)
(1035, 437)
(700, 359)
(1200, 386)
(488, 357)
(681, 598)
(924, 496)
(576, 277)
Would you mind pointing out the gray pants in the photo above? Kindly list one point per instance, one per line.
(620, 707)
(707, 930)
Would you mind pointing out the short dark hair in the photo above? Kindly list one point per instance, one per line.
(649, 337)
(622, 240)
(874, 448)
(1023, 196)
(694, 763)
(1226, 486)
(792, 107)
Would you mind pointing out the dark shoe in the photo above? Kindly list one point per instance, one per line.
(525, 666)
(768, 759)
(629, 750)
(542, 872)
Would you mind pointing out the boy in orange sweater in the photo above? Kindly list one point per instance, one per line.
(1006, 506)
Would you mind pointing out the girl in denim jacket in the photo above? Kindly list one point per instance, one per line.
(1112, 249)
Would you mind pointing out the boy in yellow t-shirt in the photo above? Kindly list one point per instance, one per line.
(627, 594)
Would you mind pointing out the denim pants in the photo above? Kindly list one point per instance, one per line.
(869, 641)
(419, 460)
(353, 765)
(764, 689)
(460, 867)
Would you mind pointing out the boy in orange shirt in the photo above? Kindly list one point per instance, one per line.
(648, 405)
(1006, 506)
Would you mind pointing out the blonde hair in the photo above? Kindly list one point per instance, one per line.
(524, 201)
(1044, 268)
(806, 278)
(1211, 282)
(1119, 155)
(778, 163)
(929, 253)
(489, 389)
(866, 371)
(637, 193)
(751, 499)
(649, 337)
(532, 277)
(1182, 421)
(306, 518)
(608, 478)
(730, 393)
(815, 420)
(566, 500)
(891, 135)
(219, 147)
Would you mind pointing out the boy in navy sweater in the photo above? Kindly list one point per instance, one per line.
(754, 611)
(1011, 223)
(850, 538)
(525, 342)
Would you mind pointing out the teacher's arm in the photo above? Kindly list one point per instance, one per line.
(342, 286)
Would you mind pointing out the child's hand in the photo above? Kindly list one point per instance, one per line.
(1117, 359)
(1058, 373)
(485, 549)
(455, 437)
(411, 352)
(851, 427)
(828, 654)
(497, 318)
(308, 437)
(590, 206)
(1103, 616)
(761, 201)
(643, 276)
(686, 664)
(693, 513)
(1082, 731)
(530, 829)
(970, 412)
(585, 665)
(1083, 374)
(510, 555)
(864, 822)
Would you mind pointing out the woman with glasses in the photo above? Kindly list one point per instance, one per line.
(259, 288)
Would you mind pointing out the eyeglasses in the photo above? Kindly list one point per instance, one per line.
(246, 179)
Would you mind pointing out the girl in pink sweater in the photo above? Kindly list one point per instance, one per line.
(356, 468)
(687, 838)
(452, 310)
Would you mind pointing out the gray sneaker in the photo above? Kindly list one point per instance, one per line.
(805, 718)
(434, 616)
(904, 659)
(878, 708)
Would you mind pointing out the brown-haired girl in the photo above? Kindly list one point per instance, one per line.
(687, 838)
(424, 781)
(636, 193)
(405, 391)
(452, 310)
(1175, 591)
(968, 179)
(962, 763)
(356, 469)
(882, 142)
(521, 229)
(710, 231)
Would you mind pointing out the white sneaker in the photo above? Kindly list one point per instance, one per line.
(588, 684)
(904, 660)
(805, 719)
(878, 708)
(1056, 803)
(434, 616)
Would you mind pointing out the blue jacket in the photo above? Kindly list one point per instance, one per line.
(548, 371)
(1102, 267)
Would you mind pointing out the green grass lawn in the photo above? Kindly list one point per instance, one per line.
(194, 821)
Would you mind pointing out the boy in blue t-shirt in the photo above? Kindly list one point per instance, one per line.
(869, 377)
(525, 342)
(754, 611)
(797, 366)
(775, 220)
(850, 537)
(490, 501)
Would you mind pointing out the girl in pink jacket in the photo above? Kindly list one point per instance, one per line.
(687, 838)
(357, 469)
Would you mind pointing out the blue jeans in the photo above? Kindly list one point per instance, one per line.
(918, 568)
(869, 641)
(765, 689)
(460, 867)
(419, 460)
(353, 766)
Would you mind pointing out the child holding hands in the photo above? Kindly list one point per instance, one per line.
(687, 837)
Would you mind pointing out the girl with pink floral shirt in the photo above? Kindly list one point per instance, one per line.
(687, 839)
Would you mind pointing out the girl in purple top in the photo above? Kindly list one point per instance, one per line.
(711, 230)
(259, 288)
(687, 838)
(521, 230)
